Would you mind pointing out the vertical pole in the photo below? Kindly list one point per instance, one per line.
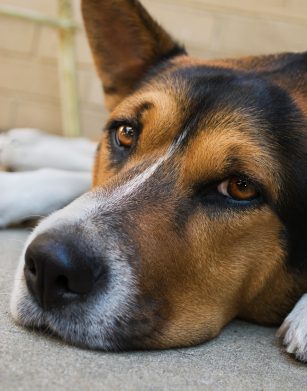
(68, 74)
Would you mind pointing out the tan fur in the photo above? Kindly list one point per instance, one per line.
(210, 154)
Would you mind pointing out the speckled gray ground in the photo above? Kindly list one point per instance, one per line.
(244, 357)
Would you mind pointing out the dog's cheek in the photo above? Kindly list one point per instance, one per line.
(178, 272)
(269, 289)
(212, 271)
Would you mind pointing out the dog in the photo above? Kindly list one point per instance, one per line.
(198, 207)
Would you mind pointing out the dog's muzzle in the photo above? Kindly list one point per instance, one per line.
(81, 275)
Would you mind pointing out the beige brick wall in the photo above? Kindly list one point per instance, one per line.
(29, 91)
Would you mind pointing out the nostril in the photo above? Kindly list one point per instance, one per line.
(31, 266)
(62, 284)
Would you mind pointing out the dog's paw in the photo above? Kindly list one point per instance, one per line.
(31, 149)
(14, 141)
(19, 136)
(293, 331)
(17, 200)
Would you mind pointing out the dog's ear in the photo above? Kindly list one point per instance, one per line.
(126, 42)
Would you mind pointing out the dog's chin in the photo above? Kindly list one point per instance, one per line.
(83, 325)
(109, 320)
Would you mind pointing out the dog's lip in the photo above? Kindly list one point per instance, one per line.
(135, 332)
(117, 341)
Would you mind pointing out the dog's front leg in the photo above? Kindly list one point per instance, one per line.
(293, 331)
(27, 195)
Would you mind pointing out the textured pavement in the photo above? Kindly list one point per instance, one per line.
(243, 357)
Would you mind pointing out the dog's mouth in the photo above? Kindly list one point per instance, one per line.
(113, 319)
(122, 334)
(91, 324)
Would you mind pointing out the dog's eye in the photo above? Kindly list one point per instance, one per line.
(238, 189)
(124, 136)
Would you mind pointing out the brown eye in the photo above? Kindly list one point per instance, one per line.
(124, 136)
(239, 189)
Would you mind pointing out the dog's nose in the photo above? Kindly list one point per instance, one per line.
(59, 272)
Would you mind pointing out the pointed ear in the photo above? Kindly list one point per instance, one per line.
(125, 42)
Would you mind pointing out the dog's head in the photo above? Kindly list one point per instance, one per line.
(199, 202)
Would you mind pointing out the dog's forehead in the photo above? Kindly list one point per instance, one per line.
(192, 96)
(211, 114)
(196, 96)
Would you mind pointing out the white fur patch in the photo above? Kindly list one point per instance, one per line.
(293, 331)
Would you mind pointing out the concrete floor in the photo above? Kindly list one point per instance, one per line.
(244, 357)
